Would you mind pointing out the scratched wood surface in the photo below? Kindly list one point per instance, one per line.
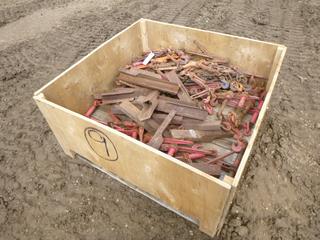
(178, 185)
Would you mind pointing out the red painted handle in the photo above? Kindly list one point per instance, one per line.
(172, 151)
(194, 156)
(90, 111)
(242, 101)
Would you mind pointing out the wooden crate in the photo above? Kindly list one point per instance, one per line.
(189, 192)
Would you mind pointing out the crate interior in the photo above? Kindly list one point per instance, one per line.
(74, 88)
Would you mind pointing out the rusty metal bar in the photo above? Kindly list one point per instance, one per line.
(195, 113)
(210, 126)
(157, 138)
(198, 135)
(183, 92)
(156, 84)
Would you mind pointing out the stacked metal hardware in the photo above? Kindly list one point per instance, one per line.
(192, 105)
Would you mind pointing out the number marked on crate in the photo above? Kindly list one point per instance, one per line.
(101, 144)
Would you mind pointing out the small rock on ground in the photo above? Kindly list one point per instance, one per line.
(242, 231)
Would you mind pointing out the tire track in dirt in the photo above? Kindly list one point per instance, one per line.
(187, 13)
(310, 74)
(178, 12)
(42, 52)
(299, 57)
(17, 11)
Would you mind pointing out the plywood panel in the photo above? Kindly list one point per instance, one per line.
(255, 57)
(177, 184)
(271, 83)
(74, 88)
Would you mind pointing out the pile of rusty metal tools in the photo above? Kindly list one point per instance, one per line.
(192, 105)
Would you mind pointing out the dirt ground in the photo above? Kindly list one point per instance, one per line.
(46, 195)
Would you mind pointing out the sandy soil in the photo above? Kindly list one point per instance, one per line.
(46, 195)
